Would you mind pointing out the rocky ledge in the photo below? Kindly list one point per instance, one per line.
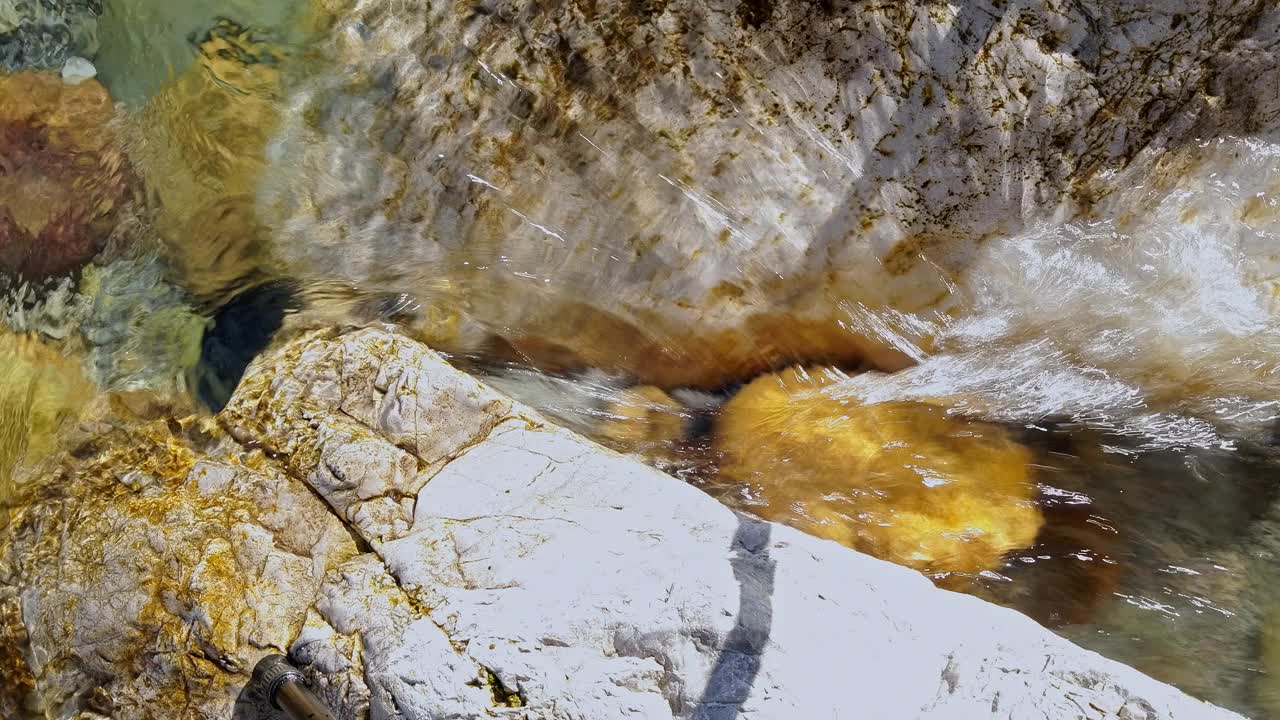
(425, 547)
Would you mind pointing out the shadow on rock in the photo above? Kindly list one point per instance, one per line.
(738, 664)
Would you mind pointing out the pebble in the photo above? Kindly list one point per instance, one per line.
(77, 69)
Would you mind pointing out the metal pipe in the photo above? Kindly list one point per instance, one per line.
(286, 688)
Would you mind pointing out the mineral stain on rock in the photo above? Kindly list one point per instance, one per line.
(189, 558)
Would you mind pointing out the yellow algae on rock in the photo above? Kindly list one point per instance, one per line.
(190, 564)
(899, 480)
(39, 390)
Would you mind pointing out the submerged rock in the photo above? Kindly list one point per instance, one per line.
(198, 145)
(138, 327)
(146, 44)
(643, 420)
(40, 390)
(898, 480)
(516, 569)
(61, 174)
(53, 310)
(691, 192)
(44, 34)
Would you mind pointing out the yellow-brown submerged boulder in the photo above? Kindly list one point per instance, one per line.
(199, 146)
(903, 481)
(40, 389)
(644, 419)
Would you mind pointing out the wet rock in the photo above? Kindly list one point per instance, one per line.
(512, 568)
(644, 420)
(76, 70)
(898, 480)
(138, 327)
(198, 145)
(40, 390)
(173, 571)
(146, 44)
(1238, 99)
(44, 34)
(641, 420)
(53, 310)
(693, 193)
(61, 174)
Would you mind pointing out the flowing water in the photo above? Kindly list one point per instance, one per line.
(1083, 428)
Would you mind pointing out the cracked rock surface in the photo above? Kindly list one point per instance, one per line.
(426, 548)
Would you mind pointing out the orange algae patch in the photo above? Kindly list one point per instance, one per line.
(903, 481)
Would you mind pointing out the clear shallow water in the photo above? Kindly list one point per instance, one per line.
(1123, 365)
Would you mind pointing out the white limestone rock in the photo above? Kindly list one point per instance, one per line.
(525, 573)
(400, 649)
(594, 586)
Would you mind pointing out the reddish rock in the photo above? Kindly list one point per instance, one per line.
(61, 174)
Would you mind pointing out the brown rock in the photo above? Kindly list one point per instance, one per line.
(61, 175)
(643, 419)
(199, 148)
(659, 352)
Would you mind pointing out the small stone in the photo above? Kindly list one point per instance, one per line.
(76, 70)
(643, 419)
